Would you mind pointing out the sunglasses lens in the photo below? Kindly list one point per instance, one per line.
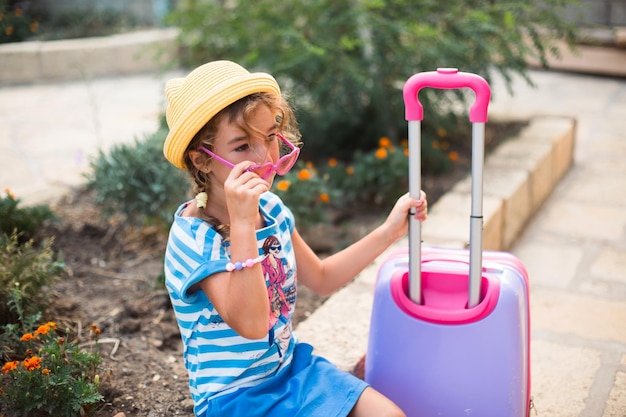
(263, 171)
(286, 163)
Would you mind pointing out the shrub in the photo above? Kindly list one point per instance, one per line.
(17, 22)
(52, 376)
(306, 193)
(23, 220)
(344, 62)
(25, 272)
(137, 182)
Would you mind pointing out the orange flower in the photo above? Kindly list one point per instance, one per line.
(34, 26)
(406, 152)
(381, 153)
(45, 371)
(445, 146)
(350, 170)
(404, 143)
(283, 185)
(332, 162)
(324, 198)
(441, 132)
(384, 142)
(10, 366)
(454, 156)
(434, 144)
(8, 30)
(309, 165)
(26, 337)
(18, 12)
(32, 363)
(45, 328)
(304, 175)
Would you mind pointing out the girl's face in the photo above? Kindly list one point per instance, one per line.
(235, 145)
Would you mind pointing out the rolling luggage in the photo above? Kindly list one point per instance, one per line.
(449, 332)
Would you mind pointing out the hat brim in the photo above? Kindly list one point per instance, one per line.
(198, 113)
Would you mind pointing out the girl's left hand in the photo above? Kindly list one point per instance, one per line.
(398, 220)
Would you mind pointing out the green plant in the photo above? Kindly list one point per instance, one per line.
(137, 182)
(344, 61)
(23, 220)
(17, 22)
(25, 273)
(53, 376)
(306, 193)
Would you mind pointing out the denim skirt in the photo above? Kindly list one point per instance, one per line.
(310, 386)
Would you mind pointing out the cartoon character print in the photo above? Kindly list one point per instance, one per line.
(275, 276)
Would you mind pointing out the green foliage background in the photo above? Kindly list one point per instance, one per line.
(344, 62)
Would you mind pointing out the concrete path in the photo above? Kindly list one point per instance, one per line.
(574, 247)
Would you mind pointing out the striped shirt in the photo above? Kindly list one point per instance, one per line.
(218, 360)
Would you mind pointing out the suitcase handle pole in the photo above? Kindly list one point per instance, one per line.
(447, 78)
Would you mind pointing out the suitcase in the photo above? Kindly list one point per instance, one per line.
(449, 331)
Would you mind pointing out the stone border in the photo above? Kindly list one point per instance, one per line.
(85, 58)
(519, 175)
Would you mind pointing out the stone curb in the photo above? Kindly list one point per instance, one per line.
(86, 58)
(519, 175)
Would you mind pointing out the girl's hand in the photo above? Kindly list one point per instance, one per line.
(243, 191)
(397, 222)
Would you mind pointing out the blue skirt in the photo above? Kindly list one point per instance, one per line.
(309, 386)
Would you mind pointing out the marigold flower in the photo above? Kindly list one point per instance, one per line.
(32, 363)
(435, 144)
(8, 30)
(332, 162)
(445, 146)
(350, 170)
(10, 366)
(26, 337)
(406, 152)
(283, 185)
(384, 142)
(61, 340)
(324, 198)
(18, 12)
(309, 165)
(45, 371)
(304, 175)
(454, 156)
(404, 143)
(441, 132)
(381, 153)
(34, 26)
(43, 329)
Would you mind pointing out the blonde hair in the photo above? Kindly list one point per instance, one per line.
(238, 112)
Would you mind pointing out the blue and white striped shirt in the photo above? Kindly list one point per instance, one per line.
(219, 360)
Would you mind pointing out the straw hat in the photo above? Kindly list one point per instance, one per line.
(195, 99)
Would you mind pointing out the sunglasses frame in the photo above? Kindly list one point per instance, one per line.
(295, 152)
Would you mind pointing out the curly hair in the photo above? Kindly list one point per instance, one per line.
(244, 107)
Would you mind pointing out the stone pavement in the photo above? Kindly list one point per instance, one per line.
(574, 245)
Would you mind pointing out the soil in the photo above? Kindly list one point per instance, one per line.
(112, 280)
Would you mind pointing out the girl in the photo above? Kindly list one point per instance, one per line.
(234, 255)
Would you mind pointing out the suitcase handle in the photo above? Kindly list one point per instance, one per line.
(447, 78)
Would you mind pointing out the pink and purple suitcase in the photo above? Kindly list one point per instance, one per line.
(449, 332)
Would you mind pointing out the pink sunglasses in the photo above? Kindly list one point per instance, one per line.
(284, 164)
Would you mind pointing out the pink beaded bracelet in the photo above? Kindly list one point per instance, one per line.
(248, 263)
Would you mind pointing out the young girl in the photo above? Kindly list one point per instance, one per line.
(234, 255)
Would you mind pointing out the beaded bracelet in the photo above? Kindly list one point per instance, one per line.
(248, 263)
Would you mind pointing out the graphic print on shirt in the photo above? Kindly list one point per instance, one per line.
(275, 272)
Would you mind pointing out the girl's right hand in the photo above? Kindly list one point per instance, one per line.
(243, 190)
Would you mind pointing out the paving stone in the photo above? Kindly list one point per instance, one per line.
(610, 264)
(549, 265)
(573, 367)
(589, 317)
(616, 405)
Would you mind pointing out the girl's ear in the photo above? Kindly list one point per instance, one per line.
(200, 161)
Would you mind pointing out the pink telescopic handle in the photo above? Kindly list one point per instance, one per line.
(446, 78)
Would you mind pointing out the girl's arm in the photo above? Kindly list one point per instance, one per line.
(328, 275)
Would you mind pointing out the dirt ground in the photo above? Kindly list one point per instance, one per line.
(112, 280)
